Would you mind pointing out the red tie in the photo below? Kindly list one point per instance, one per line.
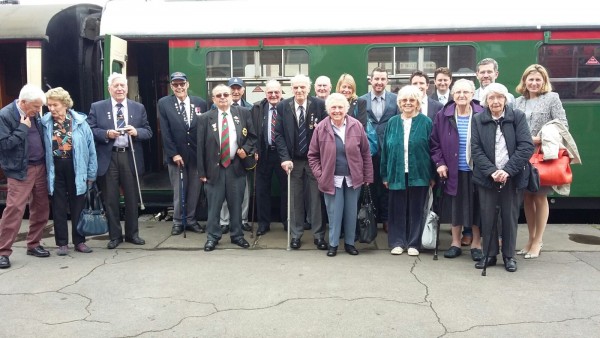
(225, 158)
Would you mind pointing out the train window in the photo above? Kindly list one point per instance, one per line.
(574, 69)
(402, 61)
(255, 64)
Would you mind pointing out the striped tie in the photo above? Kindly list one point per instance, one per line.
(184, 113)
(120, 117)
(302, 132)
(273, 118)
(225, 157)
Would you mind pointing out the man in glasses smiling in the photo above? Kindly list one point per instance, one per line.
(225, 138)
(179, 114)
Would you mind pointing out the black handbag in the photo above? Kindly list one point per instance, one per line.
(92, 221)
(366, 223)
(533, 183)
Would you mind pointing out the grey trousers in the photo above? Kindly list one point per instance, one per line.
(227, 187)
(191, 185)
(509, 200)
(224, 216)
(299, 191)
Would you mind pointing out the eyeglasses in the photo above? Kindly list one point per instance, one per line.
(221, 95)
(408, 100)
(178, 84)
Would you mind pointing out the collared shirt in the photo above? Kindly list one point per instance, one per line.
(233, 145)
(341, 132)
(424, 105)
(270, 138)
(298, 111)
(378, 105)
(445, 99)
(121, 141)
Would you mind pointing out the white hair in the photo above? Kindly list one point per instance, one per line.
(112, 77)
(32, 93)
(496, 88)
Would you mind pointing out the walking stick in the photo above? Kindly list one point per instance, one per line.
(494, 232)
(440, 213)
(182, 201)
(253, 204)
(137, 178)
(289, 207)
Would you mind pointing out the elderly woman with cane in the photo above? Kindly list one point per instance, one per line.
(340, 159)
(71, 165)
(501, 146)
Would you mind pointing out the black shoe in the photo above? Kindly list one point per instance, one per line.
(38, 251)
(224, 228)
(176, 230)
(476, 254)
(307, 226)
(195, 228)
(262, 230)
(321, 244)
(453, 252)
(332, 251)
(210, 245)
(491, 261)
(113, 243)
(4, 262)
(241, 242)
(246, 227)
(295, 243)
(510, 264)
(135, 240)
(350, 249)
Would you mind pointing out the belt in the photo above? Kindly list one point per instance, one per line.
(120, 150)
(272, 148)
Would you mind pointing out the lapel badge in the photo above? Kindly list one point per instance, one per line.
(197, 111)
(214, 125)
(244, 132)
(108, 115)
(236, 119)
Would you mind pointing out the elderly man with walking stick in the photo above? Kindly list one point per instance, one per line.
(120, 126)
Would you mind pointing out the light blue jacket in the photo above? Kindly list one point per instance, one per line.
(85, 161)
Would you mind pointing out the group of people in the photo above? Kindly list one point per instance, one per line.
(472, 143)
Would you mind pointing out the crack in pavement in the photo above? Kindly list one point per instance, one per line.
(525, 322)
(426, 298)
(216, 310)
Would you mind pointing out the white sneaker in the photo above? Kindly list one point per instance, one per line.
(413, 252)
(397, 251)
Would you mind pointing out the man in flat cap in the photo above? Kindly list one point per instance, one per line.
(179, 114)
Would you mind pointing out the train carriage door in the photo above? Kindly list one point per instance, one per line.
(116, 62)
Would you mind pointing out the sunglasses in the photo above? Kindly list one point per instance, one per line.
(178, 84)
(225, 95)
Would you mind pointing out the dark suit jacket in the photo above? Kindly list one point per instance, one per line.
(358, 110)
(260, 120)
(433, 107)
(209, 141)
(286, 127)
(390, 110)
(177, 138)
(101, 119)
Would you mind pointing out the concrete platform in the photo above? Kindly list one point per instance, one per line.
(171, 288)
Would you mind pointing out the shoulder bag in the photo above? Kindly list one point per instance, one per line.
(366, 223)
(553, 172)
(432, 223)
(92, 221)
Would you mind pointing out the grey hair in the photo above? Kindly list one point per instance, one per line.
(273, 83)
(112, 77)
(336, 98)
(463, 83)
(301, 78)
(31, 93)
(324, 79)
(496, 88)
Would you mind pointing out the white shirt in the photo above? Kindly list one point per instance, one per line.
(233, 145)
(298, 111)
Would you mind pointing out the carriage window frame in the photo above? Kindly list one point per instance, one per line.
(401, 60)
(571, 74)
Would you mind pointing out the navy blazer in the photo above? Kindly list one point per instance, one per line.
(260, 120)
(101, 119)
(286, 127)
(390, 110)
(177, 137)
(209, 141)
(433, 107)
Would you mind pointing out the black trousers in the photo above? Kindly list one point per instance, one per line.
(120, 175)
(269, 165)
(379, 192)
(65, 198)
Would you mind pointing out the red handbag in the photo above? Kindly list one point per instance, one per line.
(553, 172)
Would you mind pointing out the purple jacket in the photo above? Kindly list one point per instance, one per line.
(443, 144)
(321, 154)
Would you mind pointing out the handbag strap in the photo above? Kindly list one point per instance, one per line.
(97, 199)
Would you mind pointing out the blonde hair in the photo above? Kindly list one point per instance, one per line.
(347, 78)
(59, 94)
(535, 68)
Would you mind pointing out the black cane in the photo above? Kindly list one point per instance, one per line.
(182, 201)
(440, 213)
(494, 232)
